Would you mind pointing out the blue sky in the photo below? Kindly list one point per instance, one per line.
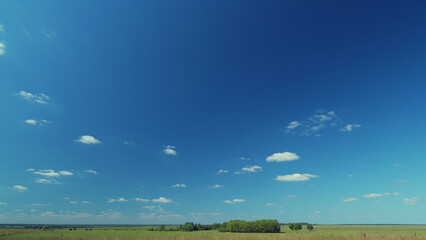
(172, 111)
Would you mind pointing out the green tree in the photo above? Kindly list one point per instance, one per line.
(188, 227)
(310, 227)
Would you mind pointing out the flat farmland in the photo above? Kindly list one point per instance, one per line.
(321, 232)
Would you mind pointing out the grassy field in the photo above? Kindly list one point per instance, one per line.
(332, 232)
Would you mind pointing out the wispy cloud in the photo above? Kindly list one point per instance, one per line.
(179, 185)
(217, 186)
(112, 200)
(351, 199)
(170, 150)
(141, 200)
(87, 139)
(46, 181)
(251, 169)
(19, 188)
(53, 173)
(282, 157)
(350, 127)
(2, 48)
(91, 171)
(220, 171)
(161, 200)
(296, 177)
(410, 201)
(38, 98)
(313, 124)
(293, 125)
(234, 201)
(36, 122)
(376, 195)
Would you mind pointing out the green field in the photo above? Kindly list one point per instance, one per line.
(333, 232)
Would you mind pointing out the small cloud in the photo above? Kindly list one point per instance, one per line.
(129, 143)
(296, 177)
(46, 181)
(293, 125)
(85, 202)
(170, 150)
(1, 28)
(2, 48)
(291, 196)
(220, 171)
(244, 158)
(179, 185)
(397, 165)
(351, 199)
(156, 208)
(217, 186)
(270, 204)
(373, 195)
(410, 201)
(251, 169)
(31, 122)
(91, 171)
(282, 157)
(117, 200)
(19, 188)
(141, 200)
(48, 173)
(350, 127)
(233, 201)
(350, 175)
(162, 200)
(3, 203)
(38, 98)
(73, 202)
(66, 173)
(30, 169)
(400, 181)
(87, 139)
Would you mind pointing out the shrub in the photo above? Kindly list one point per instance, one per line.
(259, 226)
(188, 227)
(310, 227)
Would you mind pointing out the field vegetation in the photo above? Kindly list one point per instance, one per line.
(320, 232)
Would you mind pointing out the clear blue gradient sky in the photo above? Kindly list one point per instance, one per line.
(206, 111)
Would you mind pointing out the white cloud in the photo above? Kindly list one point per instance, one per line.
(46, 181)
(410, 201)
(2, 48)
(350, 175)
(350, 127)
(31, 122)
(244, 158)
(296, 177)
(222, 171)
(141, 200)
(233, 201)
(3, 203)
(73, 202)
(19, 188)
(217, 186)
(179, 185)
(38, 98)
(293, 125)
(170, 150)
(162, 200)
(156, 208)
(282, 157)
(291, 196)
(270, 204)
(87, 139)
(48, 173)
(30, 169)
(117, 200)
(252, 169)
(91, 171)
(85, 202)
(376, 195)
(351, 199)
(1, 28)
(66, 173)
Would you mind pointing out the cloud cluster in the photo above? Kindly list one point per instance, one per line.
(156, 200)
(296, 177)
(251, 169)
(234, 201)
(220, 171)
(37, 98)
(87, 139)
(179, 185)
(350, 127)
(34, 122)
(410, 201)
(282, 157)
(376, 195)
(170, 150)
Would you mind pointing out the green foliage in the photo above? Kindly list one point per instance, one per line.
(189, 227)
(295, 226)
(259, 226)
(162, 228)
(310, 227)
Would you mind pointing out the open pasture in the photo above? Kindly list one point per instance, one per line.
(332, 232)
